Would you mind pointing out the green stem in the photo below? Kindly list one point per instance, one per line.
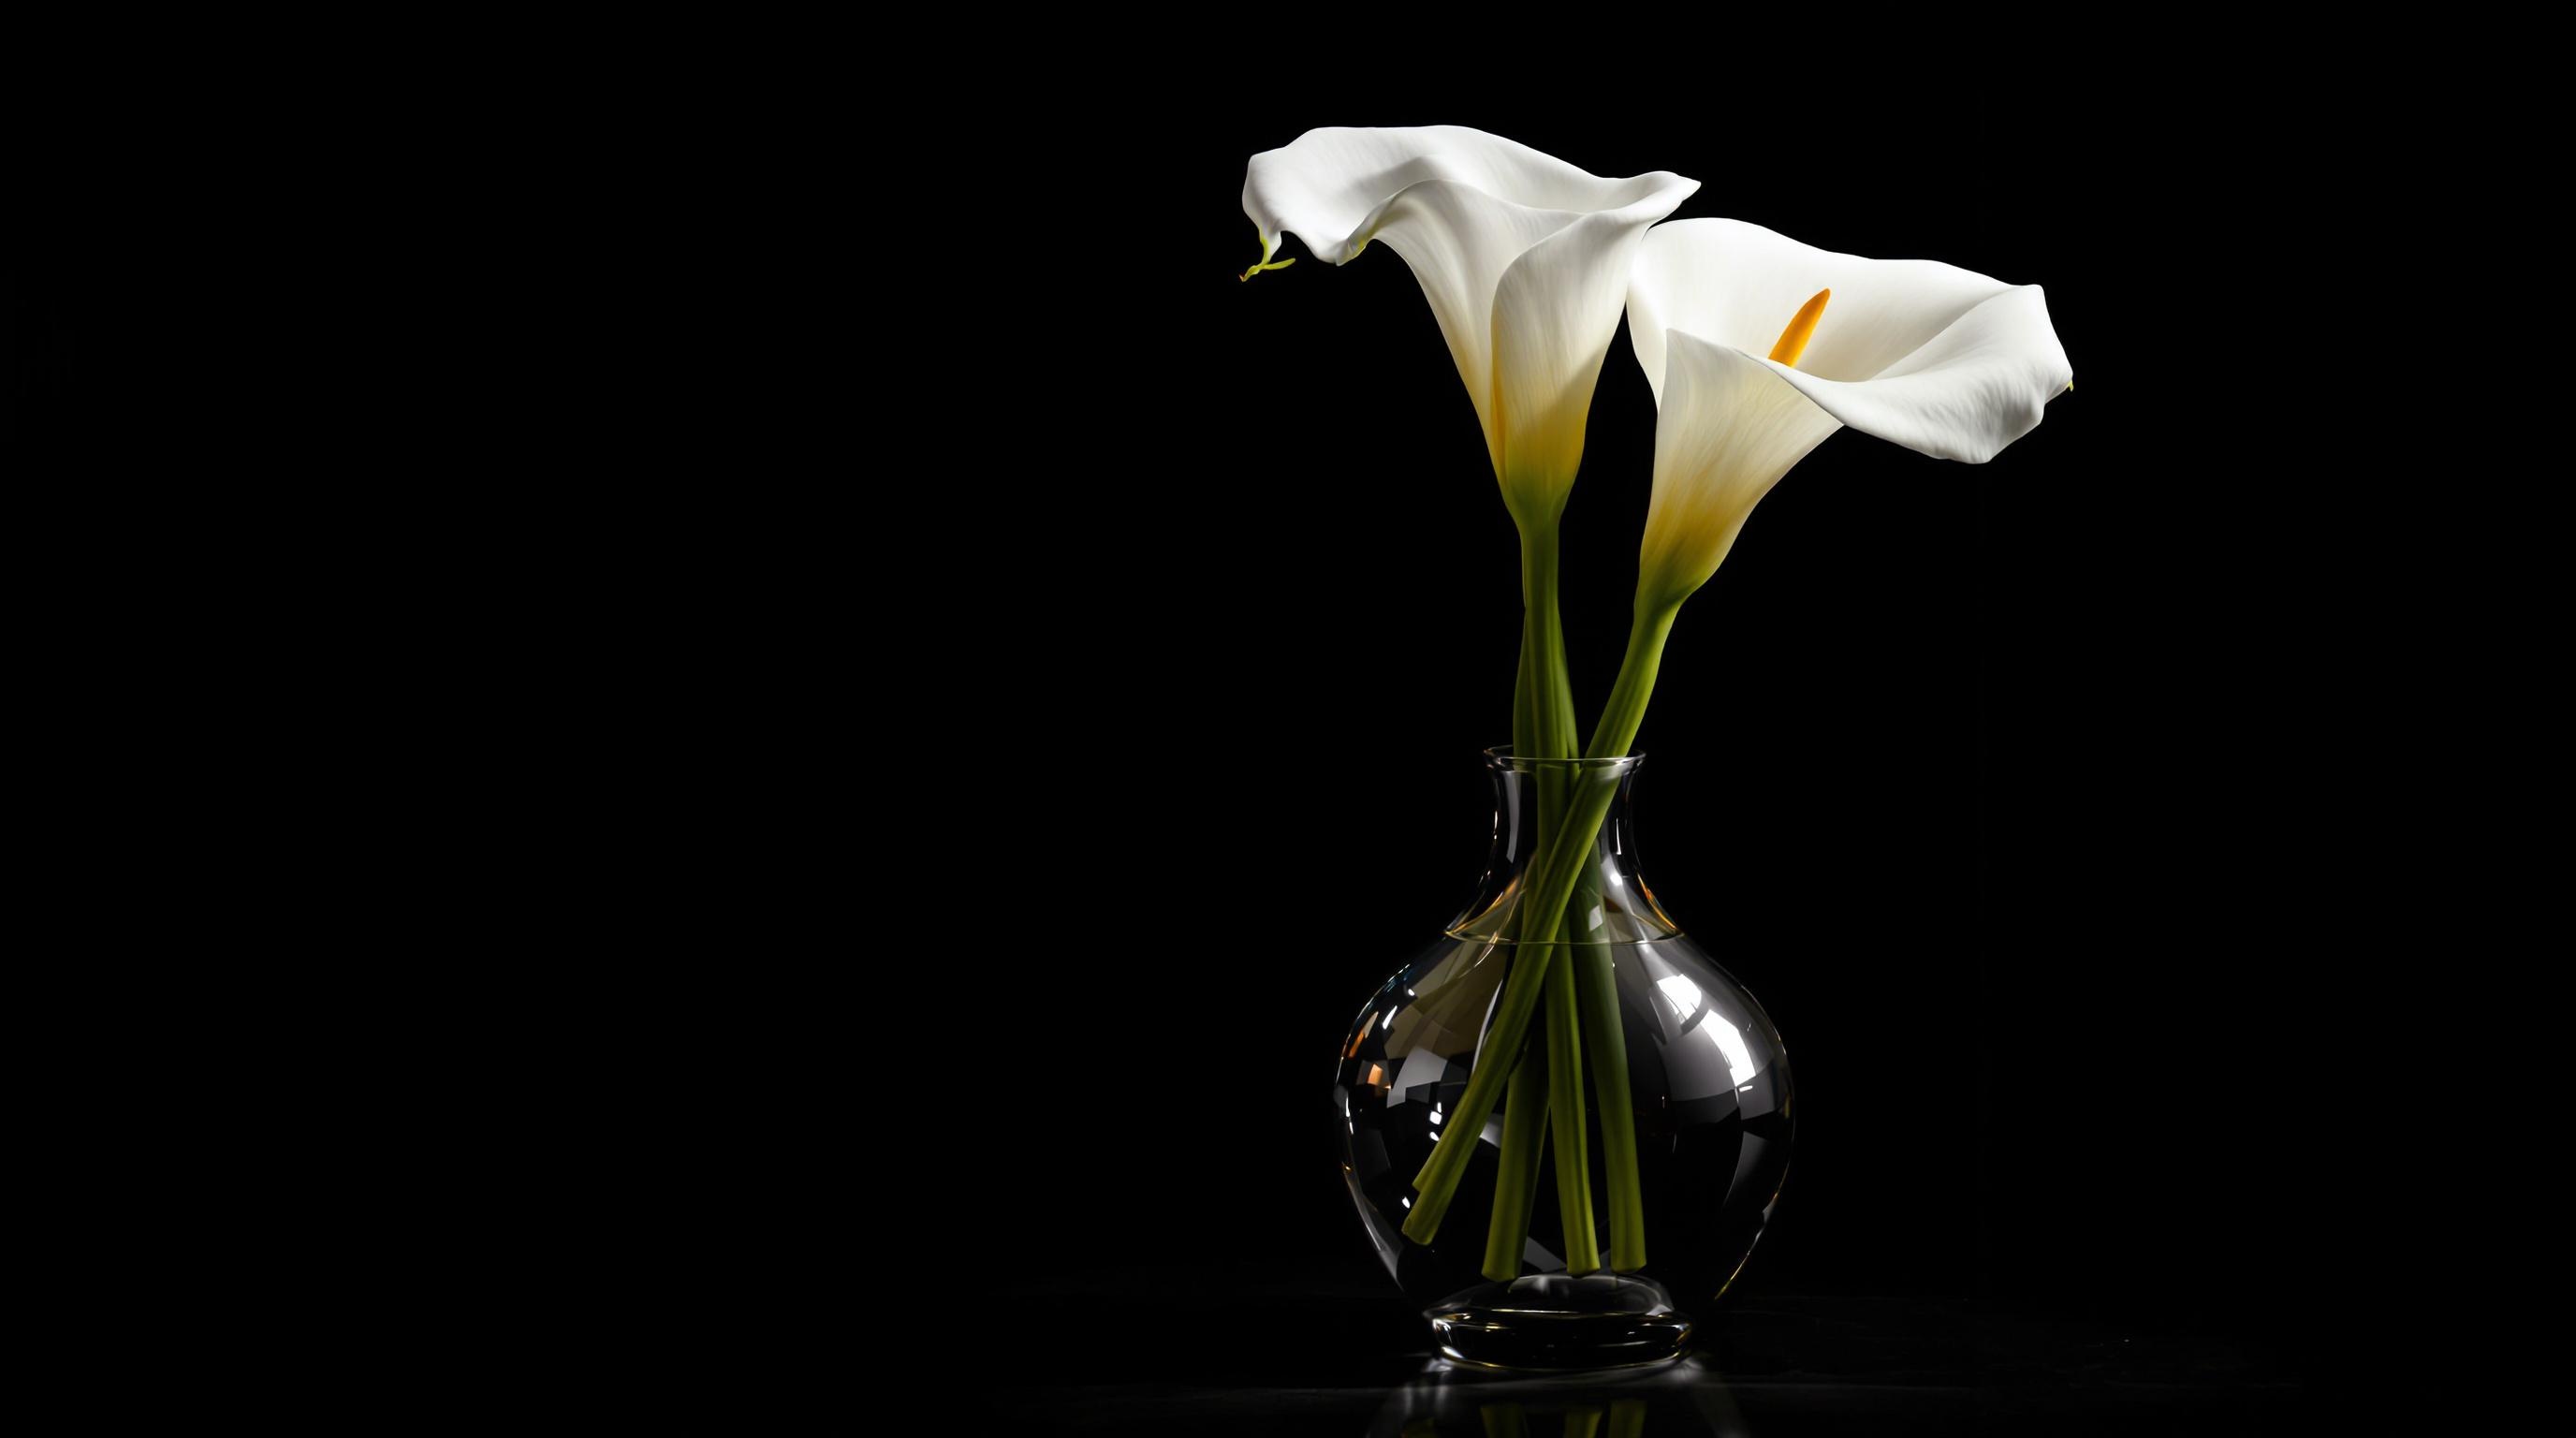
(1626, 710)
(1583, 938)
(1543, 910)
(1524, 1141)
(1552, 694)
(1594, 975)
(1554, 737)
(1542, 726)
(1564, 1048)
(1605, 1037)
(1525, 1107)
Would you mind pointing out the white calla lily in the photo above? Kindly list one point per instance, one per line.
(1927, 355)
(1523, 257)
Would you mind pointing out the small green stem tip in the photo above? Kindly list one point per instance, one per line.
(1266, 262)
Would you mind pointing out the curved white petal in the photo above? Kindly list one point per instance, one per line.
(1554, 313)
(1459, 241)
(1927, 355)
(1327, 183)
(1466, 209)
(1727, 429)
(1971, 390)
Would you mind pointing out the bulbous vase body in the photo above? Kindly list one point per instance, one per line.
(1617, 1252)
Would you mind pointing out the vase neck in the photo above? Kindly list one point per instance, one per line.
(1532, 798)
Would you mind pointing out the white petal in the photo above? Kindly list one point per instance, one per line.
(1461, 206)
(1927, 355)
(1974, 388)
(1737, 284)
(1728, 428)
(1327, 183)
(1554, 313)
(1459, 241)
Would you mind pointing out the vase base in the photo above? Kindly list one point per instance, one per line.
(1552, 1322)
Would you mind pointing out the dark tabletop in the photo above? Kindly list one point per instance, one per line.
(1204, 1352)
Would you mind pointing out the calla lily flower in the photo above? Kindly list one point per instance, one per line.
(1523, 257)
(1758, 348)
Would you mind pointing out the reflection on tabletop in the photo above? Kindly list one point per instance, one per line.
(1683, 1399)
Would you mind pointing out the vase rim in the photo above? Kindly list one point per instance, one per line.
(1500, 756)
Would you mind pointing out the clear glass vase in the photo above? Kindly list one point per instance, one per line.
(1680, 1106)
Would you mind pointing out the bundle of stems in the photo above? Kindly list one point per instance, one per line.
(1559, 964)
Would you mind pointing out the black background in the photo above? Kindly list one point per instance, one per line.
(1944, 762)
(1148, 746)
